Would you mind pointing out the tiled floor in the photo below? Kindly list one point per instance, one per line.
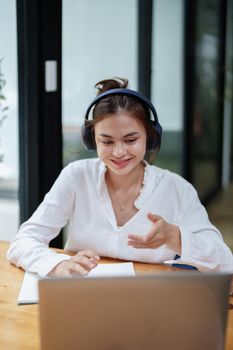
(221, 214)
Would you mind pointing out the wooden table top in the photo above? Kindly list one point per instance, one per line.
(19, 324)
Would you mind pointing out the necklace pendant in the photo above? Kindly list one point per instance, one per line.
(122, 207)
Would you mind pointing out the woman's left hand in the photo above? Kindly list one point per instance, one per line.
(160, 233)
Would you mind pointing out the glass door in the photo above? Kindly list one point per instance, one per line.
(99, 41)
(9, 211)
(207, 96)
(167, 79)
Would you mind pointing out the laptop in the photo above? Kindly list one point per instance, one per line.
(172, 310)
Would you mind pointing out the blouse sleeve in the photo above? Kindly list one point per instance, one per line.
(202, 244)
(29, 248)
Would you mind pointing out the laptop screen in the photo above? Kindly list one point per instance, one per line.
(178, 310)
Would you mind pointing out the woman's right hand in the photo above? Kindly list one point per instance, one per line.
(78, 265)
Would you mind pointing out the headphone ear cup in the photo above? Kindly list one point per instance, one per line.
(87, 136)
(155, 142)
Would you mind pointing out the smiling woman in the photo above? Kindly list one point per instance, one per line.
(118, 205)
(121, 145)
(120, 142)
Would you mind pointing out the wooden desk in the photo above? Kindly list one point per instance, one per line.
(19, 325)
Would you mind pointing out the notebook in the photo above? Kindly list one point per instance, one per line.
(177, 310)
(29, 289)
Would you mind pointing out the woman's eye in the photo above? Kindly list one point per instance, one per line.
(131, 141)
(107, 142)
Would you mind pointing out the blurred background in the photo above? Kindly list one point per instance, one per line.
(179, 53)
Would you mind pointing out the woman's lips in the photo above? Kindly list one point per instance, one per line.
(121, 163)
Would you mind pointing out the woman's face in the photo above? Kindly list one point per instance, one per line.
(121, 142)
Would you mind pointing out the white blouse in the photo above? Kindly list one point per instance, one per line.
(80, 198)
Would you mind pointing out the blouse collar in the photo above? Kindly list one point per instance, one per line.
(152, 176)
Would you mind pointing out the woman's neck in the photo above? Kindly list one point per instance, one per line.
(125, 181)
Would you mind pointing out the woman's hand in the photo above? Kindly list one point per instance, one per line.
(78, 265)
(160, 233)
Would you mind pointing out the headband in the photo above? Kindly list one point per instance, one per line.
(86, 132)
(142, 98)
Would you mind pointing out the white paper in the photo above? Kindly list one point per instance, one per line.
(29, 289)
(112, 270)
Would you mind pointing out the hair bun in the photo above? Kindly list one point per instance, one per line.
(108, 84)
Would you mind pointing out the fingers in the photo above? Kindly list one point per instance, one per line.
(86, 258)
(78, 265)
(136, 238)
(151, 245)
(93, 257)
(86, 263)
(68, 268)
(153, 239)
(147, 239)
(161, 233)
(76, 269)
(89, 253)
(153, 218)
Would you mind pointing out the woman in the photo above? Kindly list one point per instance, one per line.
(118, 205)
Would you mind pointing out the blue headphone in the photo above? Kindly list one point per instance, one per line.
(87, 133)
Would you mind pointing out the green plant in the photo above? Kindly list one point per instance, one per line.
(3, 107)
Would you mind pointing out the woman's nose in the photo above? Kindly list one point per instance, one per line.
(119, 150)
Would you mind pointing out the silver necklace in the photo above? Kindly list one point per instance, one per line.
(134, 192)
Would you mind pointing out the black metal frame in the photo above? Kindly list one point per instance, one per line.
(188, 88)
(145, 14)
(189, 59)
(40, 133)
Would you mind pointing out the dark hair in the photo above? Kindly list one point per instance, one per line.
(114, 103)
